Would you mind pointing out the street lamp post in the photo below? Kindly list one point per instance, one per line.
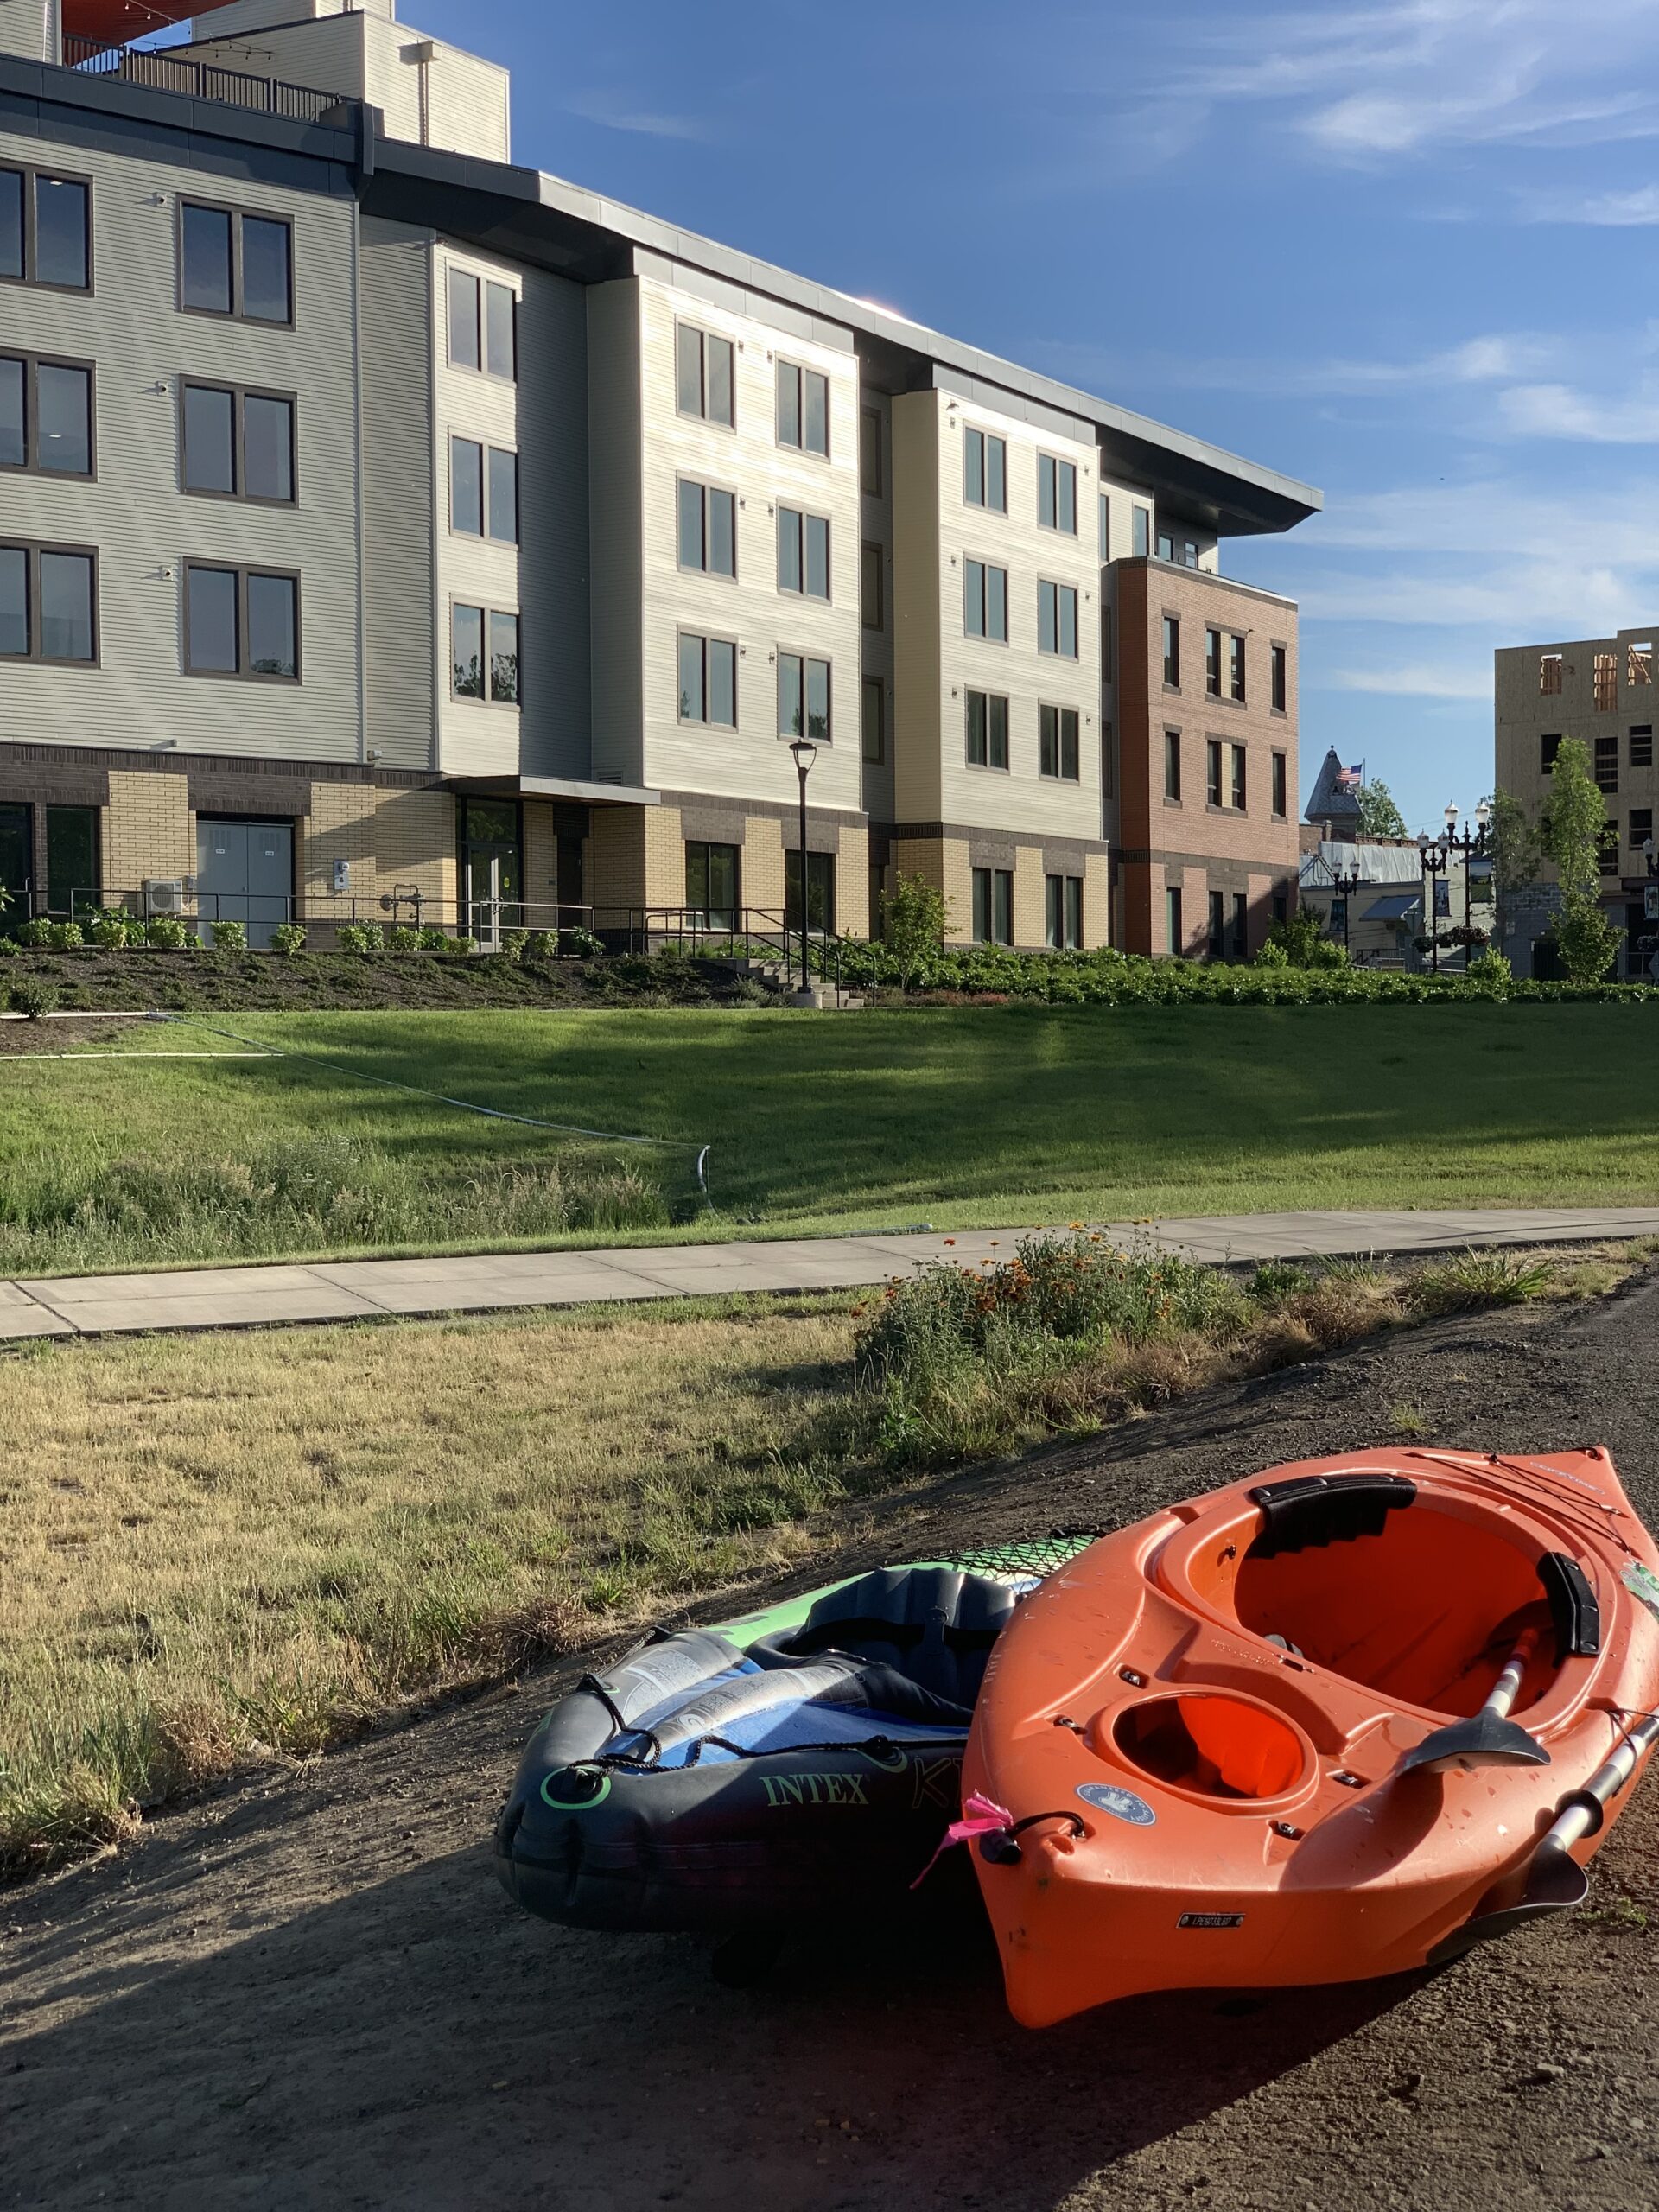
(805, 753)
(1346, 882)
(1434, 855)
(1471, 843)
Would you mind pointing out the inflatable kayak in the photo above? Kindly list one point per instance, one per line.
(802, 1761)
(1341, 1719)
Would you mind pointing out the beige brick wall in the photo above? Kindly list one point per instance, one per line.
(1030, 913)
(943, 861)
(853, 883)
(617, 853)
(1096, 901)
(541, 862)
(149, 832)
(389, 837)
(664, 856)
(762, 865)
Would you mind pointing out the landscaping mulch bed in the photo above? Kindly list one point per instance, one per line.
(306, 1989)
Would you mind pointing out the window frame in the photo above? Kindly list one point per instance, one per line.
(483, 279)
(866, 547)
(871, 446)
(1056, 649)
(485, 609)
(785, 365)
(1604, 763)
(1214, 785)
(982, 636)
(239, 394)
(873, 687)
(707, 638)
(1060, 773)
(1062, 928)
(703, 334)
(1238, 780)
(1140, 531)
(236, 312)
(29, 465)
(987, 438)
(1238, 672)
(1052, 470)
(1640, 757)
(807, 659)
(728, 491)
(32, 548)
(1278, 678)
(1171, 636)
(1279, 787)
(709, 910)
(1211, 661)
(803, 516)
(31, 174)
(1173, 759)
(1552, 740)
(992, 878)
(241, 571)
(988, 766)
(1174, 923)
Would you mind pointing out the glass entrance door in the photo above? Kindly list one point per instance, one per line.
(492, 868)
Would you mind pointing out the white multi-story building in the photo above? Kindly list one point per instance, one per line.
(376, 517)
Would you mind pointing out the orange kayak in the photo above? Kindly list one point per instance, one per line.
(1340, 1720)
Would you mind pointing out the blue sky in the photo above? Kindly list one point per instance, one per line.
(1403, 251)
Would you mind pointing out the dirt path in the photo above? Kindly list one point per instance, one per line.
(309, 1990)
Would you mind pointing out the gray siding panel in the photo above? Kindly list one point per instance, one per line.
(397, 492)
(615, 530)
(553, 505)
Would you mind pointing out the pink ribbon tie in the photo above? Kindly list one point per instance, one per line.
(979, 1817)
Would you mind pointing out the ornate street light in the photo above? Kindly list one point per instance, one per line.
(1344, 883)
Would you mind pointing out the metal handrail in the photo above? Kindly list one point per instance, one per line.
(736, 933)
(203, 80)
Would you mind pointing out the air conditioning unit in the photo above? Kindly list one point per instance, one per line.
(164, 895)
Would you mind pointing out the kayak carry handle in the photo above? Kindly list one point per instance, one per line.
(1314, 1510)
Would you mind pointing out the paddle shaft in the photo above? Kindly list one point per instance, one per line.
(1507, 1687)
(1581, 1818)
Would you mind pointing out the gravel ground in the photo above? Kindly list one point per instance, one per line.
(308, 1991)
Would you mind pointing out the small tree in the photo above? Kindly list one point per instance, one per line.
(915, 915)
(1301, 940)
(1570, 832)
(1378, 815)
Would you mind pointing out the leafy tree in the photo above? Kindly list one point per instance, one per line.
(1379, 817)
(1299, 941)
(1514, 839)
(1570, 831)
(915, 915)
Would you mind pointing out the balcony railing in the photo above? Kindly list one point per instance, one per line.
(200, 80)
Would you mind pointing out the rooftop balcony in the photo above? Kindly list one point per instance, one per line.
(166, 71)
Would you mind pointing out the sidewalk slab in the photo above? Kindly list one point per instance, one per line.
(344, 1290)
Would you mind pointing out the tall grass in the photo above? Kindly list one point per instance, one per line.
(305, 1193)
(219, 1550)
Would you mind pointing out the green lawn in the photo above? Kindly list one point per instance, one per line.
(960, 1117)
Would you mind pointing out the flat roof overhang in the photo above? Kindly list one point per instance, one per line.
(527, 215)
(567, 788)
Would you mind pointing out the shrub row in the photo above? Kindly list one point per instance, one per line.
(1108, 977)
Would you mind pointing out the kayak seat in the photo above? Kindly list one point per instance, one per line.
(934, 1626)
(1386, 1587)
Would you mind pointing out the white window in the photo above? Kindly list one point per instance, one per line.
(703, 375)
(707, 529)
(802, 553)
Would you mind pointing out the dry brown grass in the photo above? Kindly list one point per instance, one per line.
(220, 1547)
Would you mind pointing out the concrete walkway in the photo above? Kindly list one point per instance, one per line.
(350, 1290)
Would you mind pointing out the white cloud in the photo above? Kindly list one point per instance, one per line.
(1370, 83)
(1557, 410)
(1488, 359)
(1419, 680)
(1610, 210)
(612, 114)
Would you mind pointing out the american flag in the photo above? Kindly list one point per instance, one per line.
(1354, 775)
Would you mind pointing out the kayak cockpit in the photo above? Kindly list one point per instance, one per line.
(1417, 1595)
